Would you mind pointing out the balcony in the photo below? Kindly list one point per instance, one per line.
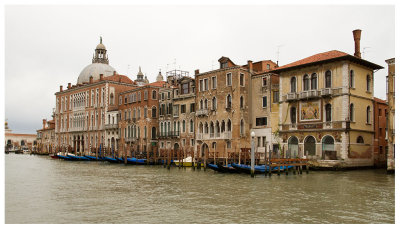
(326, 92)
(111, 126)
(207, 136)
(308, 94)
(169, 134)
(201, 112)
(291, 96)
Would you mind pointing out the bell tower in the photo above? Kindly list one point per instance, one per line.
(100, 53)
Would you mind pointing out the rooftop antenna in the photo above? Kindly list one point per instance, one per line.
(277, 54)
(363, 53)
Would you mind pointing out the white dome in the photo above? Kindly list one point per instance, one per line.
(95, 70)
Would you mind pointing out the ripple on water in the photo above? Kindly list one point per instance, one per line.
(43, 190)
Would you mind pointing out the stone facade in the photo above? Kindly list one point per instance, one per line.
(46, 138)
(390, 90)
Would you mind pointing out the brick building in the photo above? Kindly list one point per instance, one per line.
(46, 138)
(81, 109)
(380, 129)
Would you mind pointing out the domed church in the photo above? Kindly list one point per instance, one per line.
(99, 65)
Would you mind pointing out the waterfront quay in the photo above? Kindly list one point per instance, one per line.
(39, 189)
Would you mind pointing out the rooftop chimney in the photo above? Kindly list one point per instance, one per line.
(91, 79)
(61, 88)
(101, 76)
(197, 71)
(44, 123)
(357, 37)
(114, 73)
(250, 65)
(69, 85)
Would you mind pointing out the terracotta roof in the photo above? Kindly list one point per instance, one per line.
(157, 83)
(379, 100)
(119, 78)
(325, 56)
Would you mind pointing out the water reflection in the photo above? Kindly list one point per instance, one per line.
(44, 190)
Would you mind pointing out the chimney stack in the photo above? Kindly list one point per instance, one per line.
(197, 71)
(250, 65)
(61, 88)
(44, 123)
(114, 73)
(357, 37)
(91, 79)
(101, 76)
(69, 85)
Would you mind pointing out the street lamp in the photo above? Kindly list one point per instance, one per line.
(252, 153)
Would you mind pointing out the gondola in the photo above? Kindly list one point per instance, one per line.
(92, 158)
(223, 168)
(258, 168)
(110, 159)
(78, 158)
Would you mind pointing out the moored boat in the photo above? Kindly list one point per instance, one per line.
(258, 168)
(110, 159)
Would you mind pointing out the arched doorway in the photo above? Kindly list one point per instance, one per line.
(176, 148)
(309, 146)
(22, 142)
(328, 148)
(293, 146)
(204, 149)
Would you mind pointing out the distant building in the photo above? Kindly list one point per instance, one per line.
(46, 138)
(16, 141)
(380, 136)
(390, 95)
(326, 110)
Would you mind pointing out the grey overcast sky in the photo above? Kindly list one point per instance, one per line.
(48, 46)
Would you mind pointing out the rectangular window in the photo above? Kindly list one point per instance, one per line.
(264, 141)
(169, 95)
(192, 142)
(183, 109)
(380, 112)
(145, 95)
(276, 97)
(264, 81)
(242, 79)
(264, 101)
(185, 88)
(258, 141)
(201, 85)
(229, 79)
(261, 121)
(206, 84)
(213, 82)
(192, 105)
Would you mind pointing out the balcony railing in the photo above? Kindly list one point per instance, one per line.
(201, 112)
(111, 126)
(312, 94)
(326, 91)
(169, 134)
(291, 96)
(206, 136)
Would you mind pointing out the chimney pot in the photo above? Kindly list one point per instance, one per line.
(61, 88)
(197, 71)
(44, 123)
(250, 65)
(101, 76)
(357, 38)
(69, 85)
(114, 73)
(91, 79)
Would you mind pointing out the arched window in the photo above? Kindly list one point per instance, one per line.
(328, 112)
(201, 128)
(153, 132)
(352, 112)
(228, 101)
(360, 140)
(154, 112)
(201, 104)
(368, 114)
(328, 79)
(191, 125)
(154, 94)
(314, 83)
(328, 143)
(368, 83)
(214, 103)
(206, 128)
(306, 83)
(223, 126)
(205, 104)
(183, 125)
(162, 129)
(293, 146)
(229, 125)
(217, 127)
(212, 127)
(293, 84)
(351, 79)
(241, 101)
(309, 146)
(241, 127)
(293, 115)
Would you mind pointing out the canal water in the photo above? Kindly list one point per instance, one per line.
(39, 189)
